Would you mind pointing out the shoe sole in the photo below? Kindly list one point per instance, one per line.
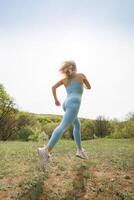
(80, 157)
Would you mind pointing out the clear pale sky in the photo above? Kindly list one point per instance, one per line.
(37, 35)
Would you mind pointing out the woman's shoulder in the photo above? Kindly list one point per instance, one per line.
(81, 75)
(64, 81)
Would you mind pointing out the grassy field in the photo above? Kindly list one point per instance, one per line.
(108, 174)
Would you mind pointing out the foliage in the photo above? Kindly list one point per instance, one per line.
(24, 133)
(123, 130)
(7, 115)
(27, 126)
(87, 129)
(27, 133)
(130, 116)
(49, 128)
(45, 119)
(42, 136)
(27, 119)
(102, 127)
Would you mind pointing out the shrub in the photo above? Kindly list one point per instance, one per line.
(128, 130)
(49, 128)
(7, 115)
(123, 130)
(34, 136)
(42, 136)
(102, 127)
(27, 119)
(87, 129)
(24, 133)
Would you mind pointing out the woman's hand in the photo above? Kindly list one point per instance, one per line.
(57, 103)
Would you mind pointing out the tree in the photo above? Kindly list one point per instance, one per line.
(102, 127)
(130, 116)
(7, 115)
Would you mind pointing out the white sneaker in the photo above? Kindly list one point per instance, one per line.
(81, 153)
(44, 157)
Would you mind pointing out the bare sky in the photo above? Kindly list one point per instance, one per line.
(36, 36)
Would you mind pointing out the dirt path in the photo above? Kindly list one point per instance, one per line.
(71, 178)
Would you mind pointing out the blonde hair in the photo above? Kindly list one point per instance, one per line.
(67, 68)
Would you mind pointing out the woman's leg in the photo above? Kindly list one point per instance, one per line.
(68, 118)
(77, 132)
(77, 136)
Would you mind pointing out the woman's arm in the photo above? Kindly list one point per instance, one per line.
(54, 87)
(86, 82)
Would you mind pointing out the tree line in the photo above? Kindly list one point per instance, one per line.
(17, 125)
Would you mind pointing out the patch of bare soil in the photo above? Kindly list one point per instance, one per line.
(71, 178)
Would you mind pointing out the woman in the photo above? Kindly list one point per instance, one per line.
(73, 83)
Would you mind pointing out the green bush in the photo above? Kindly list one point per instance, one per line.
(128, 130)
(87, 129)
(49, 128)
(27, 119)
(123, 130)
(24, 133)
(34, 136)
(45, 120)
(116, 135)
(42, 136)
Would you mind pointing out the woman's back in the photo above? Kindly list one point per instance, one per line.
(78, 77)
(74, 87)
(74, 84)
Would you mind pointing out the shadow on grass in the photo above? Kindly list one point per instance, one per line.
(78, 185)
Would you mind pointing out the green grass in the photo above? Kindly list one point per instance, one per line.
(19, 171)
(107, 174)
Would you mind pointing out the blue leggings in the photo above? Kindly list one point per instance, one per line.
(71, 108)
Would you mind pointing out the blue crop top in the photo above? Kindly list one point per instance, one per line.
(74, 87)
